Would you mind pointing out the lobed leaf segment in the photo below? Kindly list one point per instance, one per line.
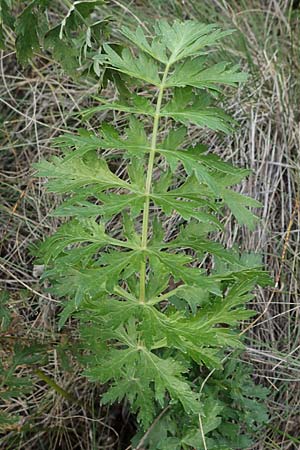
(153, 305)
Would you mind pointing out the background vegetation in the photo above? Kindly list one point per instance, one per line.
(51, 405)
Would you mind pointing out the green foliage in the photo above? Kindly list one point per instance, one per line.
(232, 410)
(157, 310)
(14, 356)
(74, 42)
(5, 19)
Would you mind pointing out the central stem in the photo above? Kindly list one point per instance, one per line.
(145, 225)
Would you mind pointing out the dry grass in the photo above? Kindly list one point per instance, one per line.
(37, 103)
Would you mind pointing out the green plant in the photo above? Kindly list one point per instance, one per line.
(14, 356)
(156, 308)
(232, 414)
(74, 40)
